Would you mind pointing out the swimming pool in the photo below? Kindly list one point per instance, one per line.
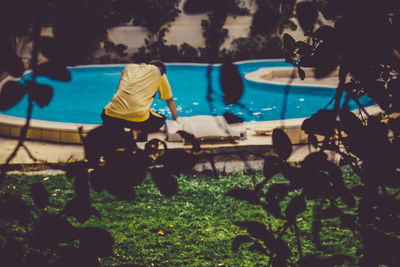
(83, 98)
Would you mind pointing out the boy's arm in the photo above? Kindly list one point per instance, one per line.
(172, 107)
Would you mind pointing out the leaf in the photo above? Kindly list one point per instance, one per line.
(193, 7)
(301, 73)
(312, 139)
(348, 198)
(244, 194)
(273, 208)
(296, 206)
(95, 241)
(303, 48)
(231, 83)
(53, 71)
(272, 166)
(337, 260)
(322, 123)
(39, 195)
(277, 192)
(239, 240)
(307, 14)
(48, 46)
(310, 260)
(10, 94)
(257, 247)
(265, 21)
(289, 43)
(280, 248)
(152, 146)
(281, 144)
(189, 138)
(315, 160)
(12, 207)
(257, 230)
(178, 161)
(40, 93)
(351, 124)
(52, 230)
(232, 118)
(164, 181)
(324, 33)
(80, 209)
(330, 212)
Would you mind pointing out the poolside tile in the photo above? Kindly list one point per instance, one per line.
(51, 135)
(34, 133)
(70, 137)
(5, 130)
(15, 131)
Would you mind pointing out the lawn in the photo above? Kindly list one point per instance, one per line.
(194, 228)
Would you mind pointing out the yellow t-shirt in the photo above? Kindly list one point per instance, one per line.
(136, 90)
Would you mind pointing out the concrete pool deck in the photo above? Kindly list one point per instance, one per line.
(60, 143)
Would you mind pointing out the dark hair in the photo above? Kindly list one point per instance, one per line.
(159, 64)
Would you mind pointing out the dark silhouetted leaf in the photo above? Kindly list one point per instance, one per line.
(337, 260)
(277, 192)
(189, 138)
(351, 124)
(13, 207)
(306, 15)
(40, 93)
(257, 247)
(281, 143)
(315, 160)
(239, 240)
(312, 139)
(12, 253)
(152, 146)
(39, 195)
(310, 261)
(273, 208)
(53, 71)
(11, 93)
(296, 206)
(348, 198)
(231, 83)
(330, 212)
(289, 42)
(192, 7)
(272, 166)
(280, 248)
(303, 48)
(51, 230)
(244, 194)
(164, 181)
(257, 230)
(265, 21)
(301, 73)
(322, 123)
(232, 118)
(178, 161)
(95, 241)
(324, 33)
(80, 209)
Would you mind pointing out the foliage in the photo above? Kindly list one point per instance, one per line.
(195, 227)
(362, 45)
(272, 17)
(255, 47)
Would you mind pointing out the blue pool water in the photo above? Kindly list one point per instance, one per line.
(83, 98)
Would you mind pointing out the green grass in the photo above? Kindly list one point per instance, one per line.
(194, 228)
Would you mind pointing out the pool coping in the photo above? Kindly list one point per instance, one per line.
(68, 133)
